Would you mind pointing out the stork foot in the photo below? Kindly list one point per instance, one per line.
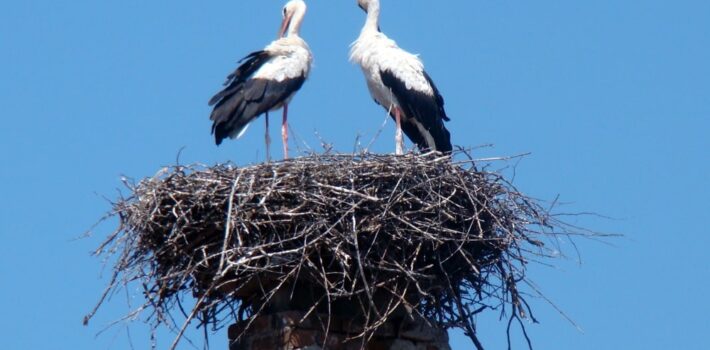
(284, 131)
(267, 139)
(398, 137)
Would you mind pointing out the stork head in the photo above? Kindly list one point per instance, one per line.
(293, 13)
(364, 4)
(369, 6)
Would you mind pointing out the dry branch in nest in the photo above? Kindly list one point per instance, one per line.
(373, 236)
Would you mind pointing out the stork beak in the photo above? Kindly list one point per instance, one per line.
(284, 25)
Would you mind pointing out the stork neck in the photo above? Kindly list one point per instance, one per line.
(373, 17)
(295, 26)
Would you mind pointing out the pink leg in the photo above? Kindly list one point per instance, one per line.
(398, 139)
(284, 131)
(268, 139)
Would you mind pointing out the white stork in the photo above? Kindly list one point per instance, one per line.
(397, 81)
(265, 81)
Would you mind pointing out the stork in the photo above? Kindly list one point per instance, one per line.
(266, 80)
(398, 82)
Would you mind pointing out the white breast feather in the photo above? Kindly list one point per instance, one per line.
(377, 53)
(291, 59)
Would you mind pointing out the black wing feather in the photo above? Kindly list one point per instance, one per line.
(248, 66)
(246, 98)
(437, 95)
(427, 110)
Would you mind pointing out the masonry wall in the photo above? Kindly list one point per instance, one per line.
(290, 331)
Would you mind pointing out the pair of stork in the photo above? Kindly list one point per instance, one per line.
(268, 79)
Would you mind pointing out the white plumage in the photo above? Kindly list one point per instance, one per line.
(290, 58)
(375, 52)
(397, 81)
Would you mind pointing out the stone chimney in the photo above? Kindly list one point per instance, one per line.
(294, 330)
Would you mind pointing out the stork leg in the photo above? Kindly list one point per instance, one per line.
(267, 138)
(284, 131)
(398, 139)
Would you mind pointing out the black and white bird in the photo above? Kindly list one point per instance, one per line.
(265, 81)
(397, 81)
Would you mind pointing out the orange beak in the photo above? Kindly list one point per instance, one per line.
(284, 25)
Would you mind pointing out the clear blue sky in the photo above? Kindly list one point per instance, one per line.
(612, 97)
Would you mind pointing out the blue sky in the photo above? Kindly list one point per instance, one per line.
(612, 98)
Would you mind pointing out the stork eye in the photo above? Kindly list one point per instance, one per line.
(284, 12)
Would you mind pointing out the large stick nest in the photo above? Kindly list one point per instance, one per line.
(373, 236)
